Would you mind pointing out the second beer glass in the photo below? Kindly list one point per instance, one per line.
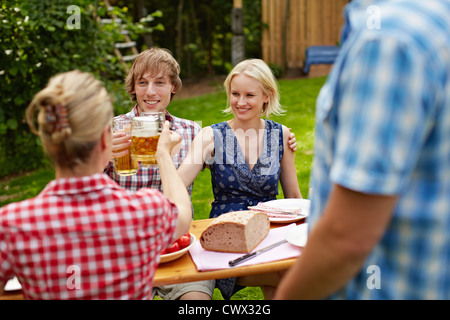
(145, 131)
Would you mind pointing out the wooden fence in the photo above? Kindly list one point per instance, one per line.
(293, 25)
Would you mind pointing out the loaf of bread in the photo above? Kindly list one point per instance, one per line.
(237, 231)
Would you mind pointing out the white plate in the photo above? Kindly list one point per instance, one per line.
(298, 235)
(178, 254)
(13, 285)
(290, 203)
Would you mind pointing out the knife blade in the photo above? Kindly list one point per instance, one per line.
(253, 254)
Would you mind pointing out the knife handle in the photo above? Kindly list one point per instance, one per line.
(246, 257)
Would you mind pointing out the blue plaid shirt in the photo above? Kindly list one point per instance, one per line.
(383, 127)
(149, 177)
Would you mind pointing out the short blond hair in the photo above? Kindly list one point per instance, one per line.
(260, 71)
(158, 61)
(73, 110)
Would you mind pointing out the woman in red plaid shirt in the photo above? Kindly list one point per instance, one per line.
(83, 236)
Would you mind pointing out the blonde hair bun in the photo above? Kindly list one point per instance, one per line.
(73, 110)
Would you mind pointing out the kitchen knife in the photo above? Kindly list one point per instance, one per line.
(253, 254)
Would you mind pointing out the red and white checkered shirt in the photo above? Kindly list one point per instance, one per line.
(86, 238)
(149, 177)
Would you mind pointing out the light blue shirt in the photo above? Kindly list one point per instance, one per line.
(383, 127)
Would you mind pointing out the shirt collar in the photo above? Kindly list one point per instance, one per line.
(356, 14)
(79, 185)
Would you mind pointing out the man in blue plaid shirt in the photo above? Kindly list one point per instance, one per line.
(380, 215)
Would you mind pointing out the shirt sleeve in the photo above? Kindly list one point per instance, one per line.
(381, 116)
(162, 216)
(5, 267)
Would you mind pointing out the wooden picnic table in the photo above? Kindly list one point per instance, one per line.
(184, 270)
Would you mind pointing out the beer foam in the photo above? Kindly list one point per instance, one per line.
(147, 132)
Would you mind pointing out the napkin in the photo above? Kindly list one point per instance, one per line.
(275, 212)
(210, 260)
(13, 284)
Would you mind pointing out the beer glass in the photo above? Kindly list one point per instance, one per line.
(125, 165)
(145, 131)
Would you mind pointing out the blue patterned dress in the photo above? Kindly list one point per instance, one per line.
(235, 186)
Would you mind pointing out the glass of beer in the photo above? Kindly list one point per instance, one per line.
(145, 131)
(125, 165)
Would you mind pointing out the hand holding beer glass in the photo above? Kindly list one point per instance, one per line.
(169, 141)
(145, 131)
(124, 165)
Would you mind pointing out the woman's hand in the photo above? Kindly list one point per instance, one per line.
(169, 141)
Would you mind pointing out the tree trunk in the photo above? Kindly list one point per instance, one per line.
(209, 31)
(196, 29)
(237, 40)
(187, 29)
(140, 12)
(179, 45)
(285, 26)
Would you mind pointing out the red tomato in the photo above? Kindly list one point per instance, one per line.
(173, 248)
(184, 241)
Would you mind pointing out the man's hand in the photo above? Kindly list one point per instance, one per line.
(120, 143)
(292, 143)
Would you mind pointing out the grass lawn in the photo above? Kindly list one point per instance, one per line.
(298, 97)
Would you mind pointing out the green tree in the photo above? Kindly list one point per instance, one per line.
(198, 33)
(39, 39)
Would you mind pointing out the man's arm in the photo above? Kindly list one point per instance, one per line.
(351, 225)
(288, 174)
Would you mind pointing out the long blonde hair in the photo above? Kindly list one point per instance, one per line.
(260, 71)
(73, 110)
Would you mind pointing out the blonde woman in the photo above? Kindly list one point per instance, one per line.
(246, 155)
(83, 236)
